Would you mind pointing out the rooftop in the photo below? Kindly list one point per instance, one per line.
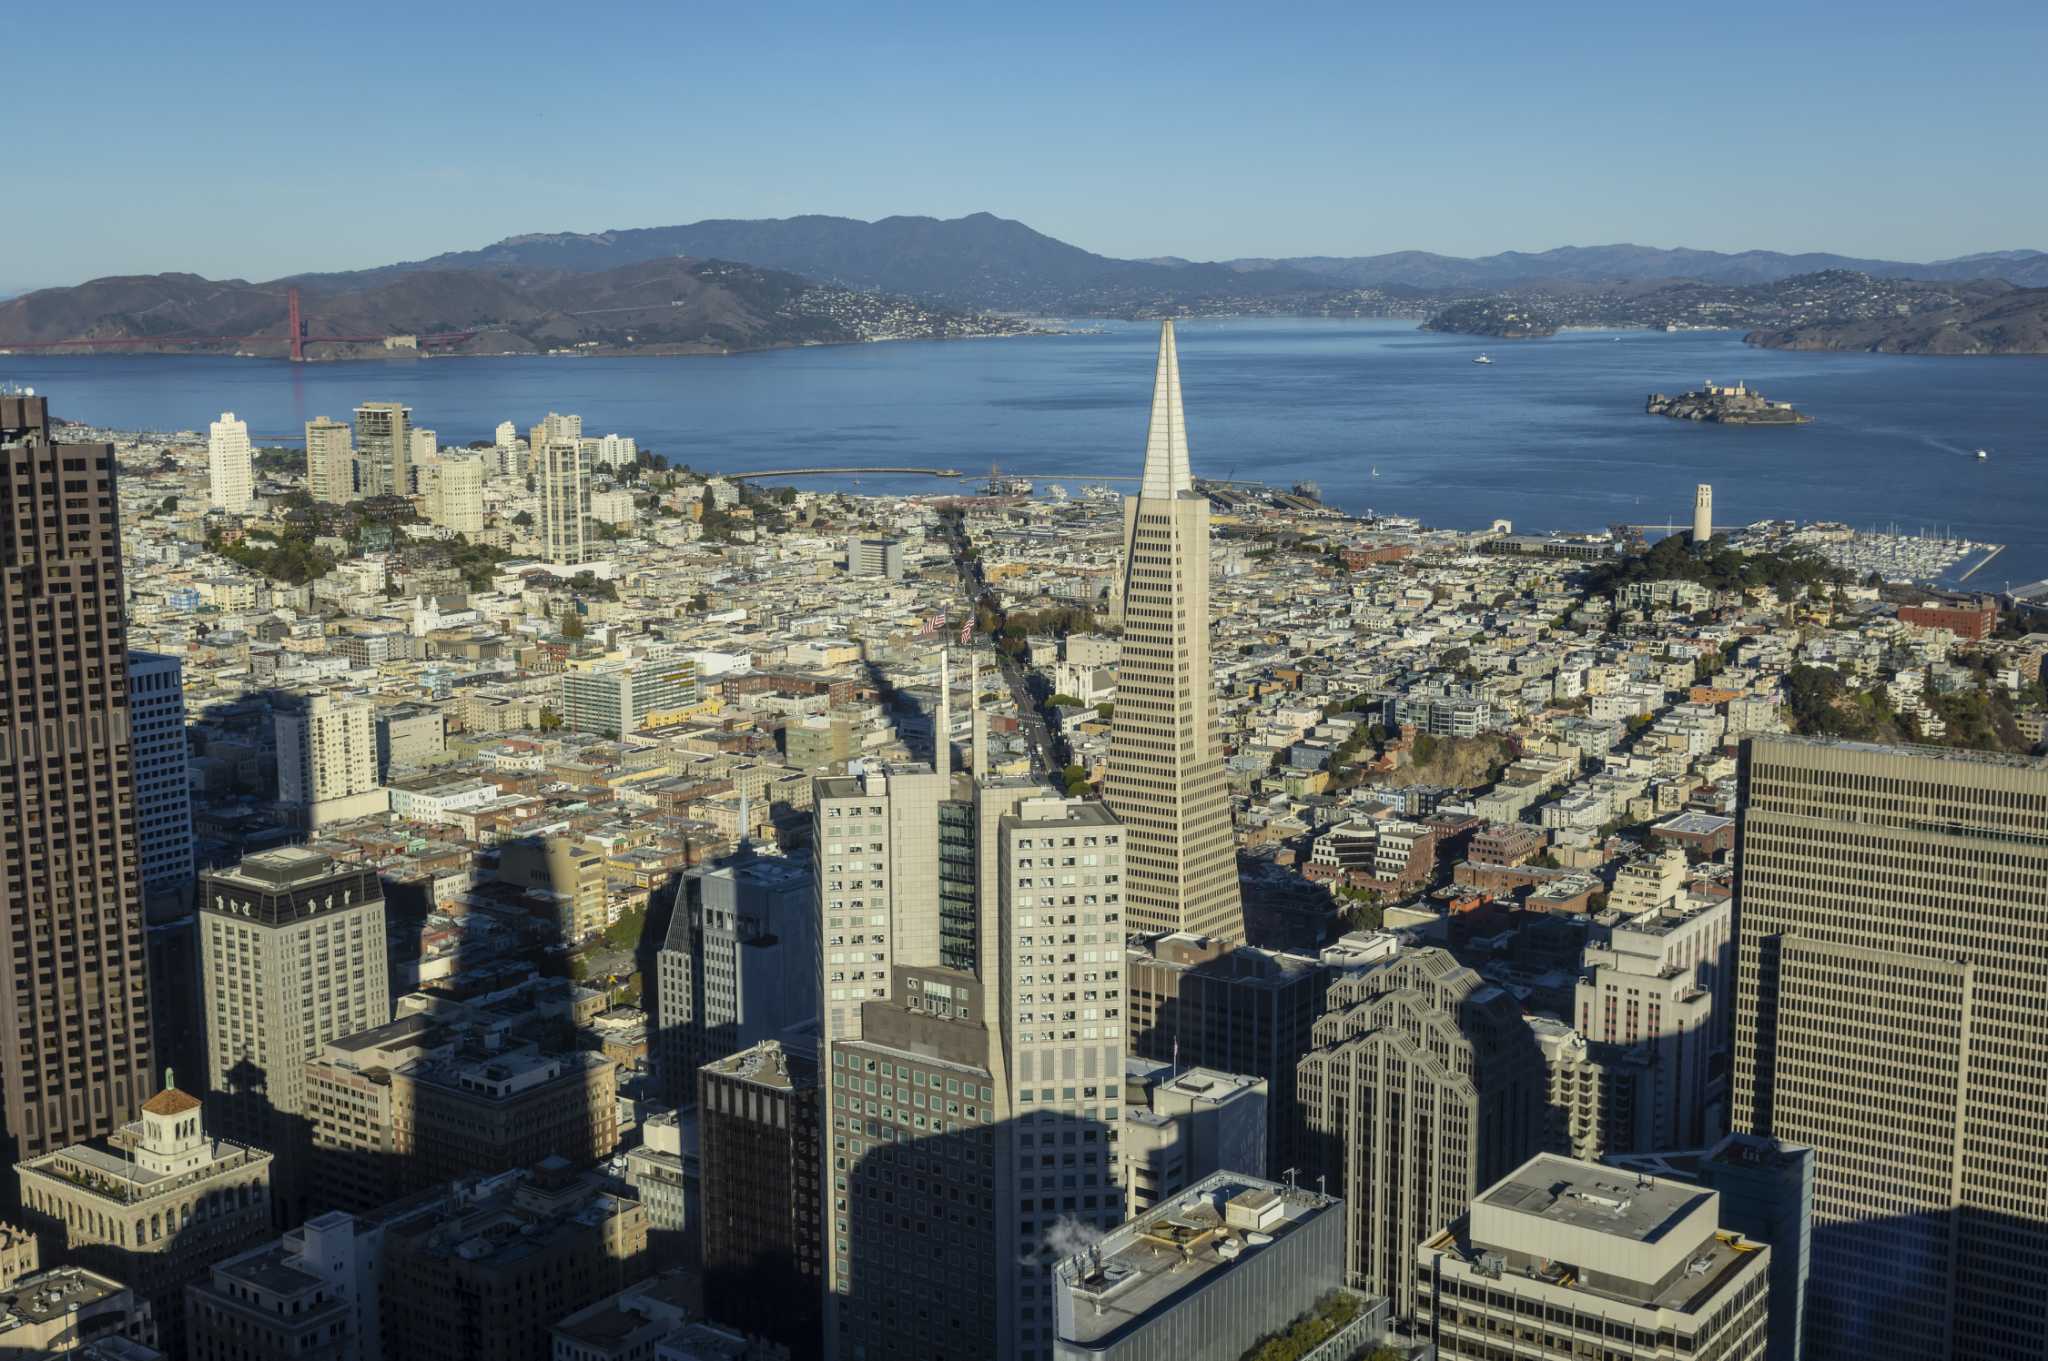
(1558, 1191)
(1146, 1263)
(279, 869)
(52, 1294)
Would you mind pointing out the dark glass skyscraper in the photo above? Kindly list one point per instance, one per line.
(75, 1058)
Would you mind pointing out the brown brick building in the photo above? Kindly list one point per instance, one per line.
(74, 1015)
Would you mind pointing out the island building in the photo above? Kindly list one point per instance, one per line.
(738, 966)
(292, 955)
(564, 502)
(1766, 1190)
(1425, 1086)
(990, 916)
(153, 1207)
(330, 462)
(230, 473)
(1207, 1275)
(75, 999)
(760, 1149)
(327, 760)
(1180, 1127)
(1702, 513)
(868, 557)
(1565, 1259)
(1197, 1003)
(1945, 1184)
(383, 449)
(1165, 781)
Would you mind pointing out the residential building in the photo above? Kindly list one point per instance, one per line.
(1209, 1275)
(868, 557)
(1166, 778)
(568, 875)
(154, 1207)
(616, 695)
(75, 1002)
(384, 449)
(409, 737)
(330, 461)
(1194, 1002)
(292, 955)
(1901, 1045)
(739, 965)
(1424, 1087)
(163, 792)
(564, 496)
(327, 760)
(1180, 1127)
(457, 502)
(277, 1302)
(465, 1113)
(1566, 1259)
(503, 1260)
(763, 1244)
(230, 473)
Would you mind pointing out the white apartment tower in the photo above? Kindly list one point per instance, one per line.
(457, 501)
(230, 472)
(327, 760)
(564, 497)
(330, 461)
(384, 449)
(1166, 779)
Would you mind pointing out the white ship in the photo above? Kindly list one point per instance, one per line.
(1483, 359)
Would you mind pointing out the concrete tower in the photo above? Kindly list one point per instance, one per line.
(1702, 513)
(230, 475)
(1165, 779)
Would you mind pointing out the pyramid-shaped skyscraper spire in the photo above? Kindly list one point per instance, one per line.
(1166, 781)
(1166, 441)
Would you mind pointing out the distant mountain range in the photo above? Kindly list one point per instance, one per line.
(654, 305)
(815, 278)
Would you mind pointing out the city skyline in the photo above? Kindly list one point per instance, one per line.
(1345, 132)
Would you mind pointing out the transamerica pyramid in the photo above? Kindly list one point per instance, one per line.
(1165, 780)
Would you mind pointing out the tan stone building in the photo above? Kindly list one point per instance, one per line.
(569, 872)
(154, 1207)
(1166, 779)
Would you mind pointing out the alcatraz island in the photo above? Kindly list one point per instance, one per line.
(1739, 404)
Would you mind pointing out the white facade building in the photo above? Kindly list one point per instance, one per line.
(230, 469)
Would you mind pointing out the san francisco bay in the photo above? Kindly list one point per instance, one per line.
(1550, 435)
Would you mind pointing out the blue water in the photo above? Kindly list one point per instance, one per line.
(1551, 435)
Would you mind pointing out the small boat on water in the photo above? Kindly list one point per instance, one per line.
(1983, 454)
(1483, 359)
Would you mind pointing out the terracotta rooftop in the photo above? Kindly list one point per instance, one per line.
(171, 1101)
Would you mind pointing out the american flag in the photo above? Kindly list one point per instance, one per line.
(967, 630)
(932, 624)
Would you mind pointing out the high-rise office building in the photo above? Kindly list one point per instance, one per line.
(163, 793)
(292, 955)
(564, 502)
(1562, 1259)
(330, 462)
(872, 557)
(1194, 1002)
(384, 449)
(738, 966)
(759, 1151)
(457, 502)
(327, 759)
(990, 921)
(1425, 1087)
(230, 472)
(74, 1010)
(1166, 779)
(1892, 976)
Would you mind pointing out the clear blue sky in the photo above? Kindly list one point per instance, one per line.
(258, 140)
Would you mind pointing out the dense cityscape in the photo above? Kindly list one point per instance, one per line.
(520, 897)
